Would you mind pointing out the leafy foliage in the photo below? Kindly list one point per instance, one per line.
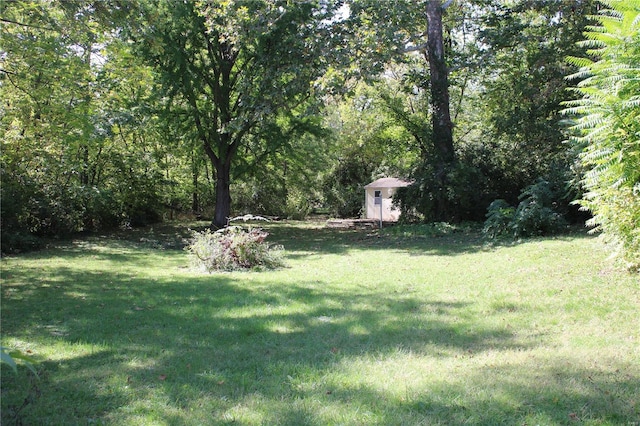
(534, 215)
(79, 148)
(514, 113)
(343, 186)
(499, 221)
(234, 248)
(371, 142)
(608, 125)
(114, 112)
(507, 63)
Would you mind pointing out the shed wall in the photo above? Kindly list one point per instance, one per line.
(389, 212)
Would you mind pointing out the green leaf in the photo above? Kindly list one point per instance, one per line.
(10, 357)
(7, 359)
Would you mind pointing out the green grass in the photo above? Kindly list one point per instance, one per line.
(359, 329)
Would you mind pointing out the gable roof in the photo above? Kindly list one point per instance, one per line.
(388, 183)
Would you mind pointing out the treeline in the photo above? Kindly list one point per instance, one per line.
(126, 113)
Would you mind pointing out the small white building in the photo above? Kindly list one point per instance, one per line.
(379, 199)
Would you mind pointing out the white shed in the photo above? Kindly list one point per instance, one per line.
(378, 199)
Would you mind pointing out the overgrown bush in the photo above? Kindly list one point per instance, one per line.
(234, 248)
(535, 214)
(56, 210)
(271, 199)
(298, 205)
(30, 210)
(499, 219)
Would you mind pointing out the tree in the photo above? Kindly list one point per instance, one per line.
(439, 83)
(235, 67)
(79, 147)
(523, 83)
(442, 133)
(608, 125)
(407, 33)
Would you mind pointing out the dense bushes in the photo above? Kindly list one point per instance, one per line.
(30, 211)
(234, 248)
(534, 215)
(272, 198)
(343, 187)
(467, 192)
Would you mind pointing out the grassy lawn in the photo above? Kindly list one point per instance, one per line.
(359, 329)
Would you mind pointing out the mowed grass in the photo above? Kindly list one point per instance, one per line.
(359, 329)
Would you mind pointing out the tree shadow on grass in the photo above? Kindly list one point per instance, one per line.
(299, 238)
(211, 338)
(561, 393)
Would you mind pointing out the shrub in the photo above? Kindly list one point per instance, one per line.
(265, 197)
(234, 248)
(466, 191)
(499, 219)
(343, 186)
(535, 214)
(298, 206)
(532, 218)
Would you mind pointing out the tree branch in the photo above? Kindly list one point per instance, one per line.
(447, 4)
(418, 48)
(9, 21)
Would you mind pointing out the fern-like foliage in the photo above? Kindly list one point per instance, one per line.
(607, 125)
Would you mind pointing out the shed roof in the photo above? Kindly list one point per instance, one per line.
(388, 183)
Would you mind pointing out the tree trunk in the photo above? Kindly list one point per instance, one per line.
(195, 202)
(223, 194)
(195, 172)
(86, 124)
(441, 116)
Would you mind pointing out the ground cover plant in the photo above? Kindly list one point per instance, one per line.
(361, 327)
